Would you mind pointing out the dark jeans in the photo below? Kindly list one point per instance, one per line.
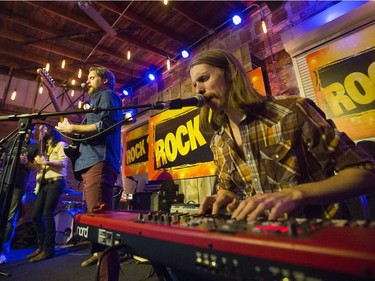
(43, 214)
(14, 211)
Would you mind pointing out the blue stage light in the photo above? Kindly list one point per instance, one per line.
(236, 19)
(129, 116)
(125, 92)
(151, 76)
(185, 54)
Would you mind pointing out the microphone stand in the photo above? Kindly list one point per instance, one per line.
(9, 175)
(136, 184)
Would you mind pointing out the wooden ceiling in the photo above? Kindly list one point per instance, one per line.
(33, 33)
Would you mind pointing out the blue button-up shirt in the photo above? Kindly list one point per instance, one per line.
(106, 146)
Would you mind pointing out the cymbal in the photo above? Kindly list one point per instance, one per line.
(71, 191)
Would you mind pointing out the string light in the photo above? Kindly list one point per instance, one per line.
(14, 94)
(168, 63)
(73, 82)
(264, 26)
(165, 2)
(47, 66)
(63, 64)
(72, 93)
(40, 89)
(80, 73)
(128, 54)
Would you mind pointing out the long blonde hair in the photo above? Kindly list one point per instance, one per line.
(242, 95)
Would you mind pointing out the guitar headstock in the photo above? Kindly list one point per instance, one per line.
(45, 76)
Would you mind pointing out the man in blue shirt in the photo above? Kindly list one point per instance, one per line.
(100, 154)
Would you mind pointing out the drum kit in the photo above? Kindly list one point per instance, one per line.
(64, 218)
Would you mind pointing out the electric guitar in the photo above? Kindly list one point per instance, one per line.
(71, 151)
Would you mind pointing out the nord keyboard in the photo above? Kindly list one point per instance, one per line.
(217, 248)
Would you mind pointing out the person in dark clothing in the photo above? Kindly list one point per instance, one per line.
(29, 151)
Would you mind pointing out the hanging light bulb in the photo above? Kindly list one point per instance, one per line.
(79, 72)
(168, 63)
(14, 94)
(80, 104)
(264, 26)
(40, 89)
(63, 64)
(73, 82)
(128, 54)
(47, 66)
(72, 93)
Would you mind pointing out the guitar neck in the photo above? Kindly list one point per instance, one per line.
(49, 83)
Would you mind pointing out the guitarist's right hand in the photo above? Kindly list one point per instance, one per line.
(64, 127)
(40, 160)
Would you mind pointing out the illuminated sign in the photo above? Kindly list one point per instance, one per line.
(135, 156)
(178, 148)
(343, 75)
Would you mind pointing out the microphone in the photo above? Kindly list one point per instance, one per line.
(64, 85)
(199, 100)
(84, 86)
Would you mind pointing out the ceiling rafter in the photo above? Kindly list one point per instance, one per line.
(34, 32)
(114, 7)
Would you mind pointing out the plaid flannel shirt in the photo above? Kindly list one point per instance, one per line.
(287, 143)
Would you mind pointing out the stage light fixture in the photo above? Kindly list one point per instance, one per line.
(151, 76)
(129, 116)
(236, 19)
(185, 54)
(125, 92)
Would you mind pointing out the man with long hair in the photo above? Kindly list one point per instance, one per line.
(274, 156)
